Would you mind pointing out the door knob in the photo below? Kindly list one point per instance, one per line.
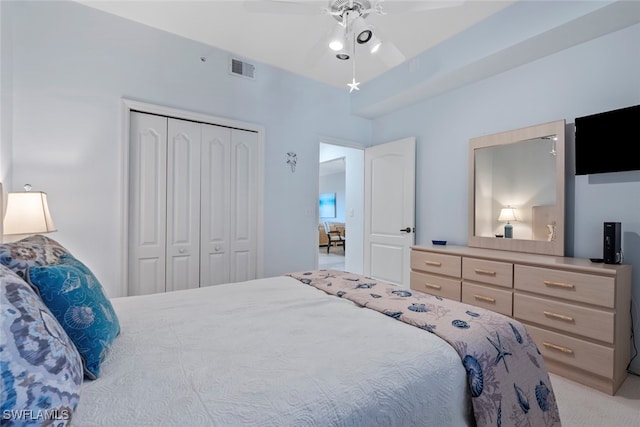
(406, 230)
(181, 250)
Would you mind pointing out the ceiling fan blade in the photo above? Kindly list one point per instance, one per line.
(389, 54)
(401, 6)
(319, 50)
(284, 7)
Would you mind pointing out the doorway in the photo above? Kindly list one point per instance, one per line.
(341, 174)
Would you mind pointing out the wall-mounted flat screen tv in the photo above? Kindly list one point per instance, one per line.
(608, 142)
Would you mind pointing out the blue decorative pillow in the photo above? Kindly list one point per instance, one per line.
(40, 368)
(77, 300)
(30, 251)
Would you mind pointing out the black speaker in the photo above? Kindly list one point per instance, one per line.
(612, 249)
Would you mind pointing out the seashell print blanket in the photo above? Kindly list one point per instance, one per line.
(508, 381)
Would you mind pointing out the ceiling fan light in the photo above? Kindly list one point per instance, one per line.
(362, 30)
(364, 36)
(336, 42)
(336, 45)
(346, 51)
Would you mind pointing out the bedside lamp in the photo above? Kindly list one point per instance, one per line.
(508, 214)
(27, 213)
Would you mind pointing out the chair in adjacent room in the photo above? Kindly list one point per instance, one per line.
(335, 237)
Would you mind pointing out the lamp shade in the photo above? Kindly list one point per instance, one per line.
(507, 214)
(27, 213)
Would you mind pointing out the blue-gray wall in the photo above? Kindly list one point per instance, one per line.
(6, 101)
(596, 76)
(72, 64)
(65, 68)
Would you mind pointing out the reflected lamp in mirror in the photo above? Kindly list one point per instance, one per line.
(27, 213)
(508, 214)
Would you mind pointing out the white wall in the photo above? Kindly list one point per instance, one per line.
(72, 65)
(596, 76)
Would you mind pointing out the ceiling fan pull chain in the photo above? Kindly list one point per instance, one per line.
(354, 84)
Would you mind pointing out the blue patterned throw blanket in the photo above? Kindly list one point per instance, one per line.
(507, 378)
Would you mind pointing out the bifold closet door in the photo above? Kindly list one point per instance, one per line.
(193, 204)
(215, 205)
(164, 203)
(183, 205)
(244, 203)
(228, 205)
(147, 203)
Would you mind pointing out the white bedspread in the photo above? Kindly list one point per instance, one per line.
(271, 352)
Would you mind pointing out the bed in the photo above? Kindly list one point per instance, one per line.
(317, 348)
(271, 352)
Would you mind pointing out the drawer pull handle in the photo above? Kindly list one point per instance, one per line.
(483, 298)
(558, 316)
(485, 272)
(432, 286)
(557, 347)
(559, 284)
(435, 263)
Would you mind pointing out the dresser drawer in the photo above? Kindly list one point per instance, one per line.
(498, 300)
(436, 285)
(579, 287)
(588, 322)
(448, 265)
(588, 356)
(493, 272)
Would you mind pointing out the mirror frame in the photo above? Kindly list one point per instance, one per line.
(556, 246)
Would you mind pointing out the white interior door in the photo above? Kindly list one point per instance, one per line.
(389, 213)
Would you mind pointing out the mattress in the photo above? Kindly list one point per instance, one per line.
(271, 352)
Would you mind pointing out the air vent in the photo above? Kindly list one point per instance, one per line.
(243, 69)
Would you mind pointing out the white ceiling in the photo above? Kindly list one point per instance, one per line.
(330, 167)
(291, 34)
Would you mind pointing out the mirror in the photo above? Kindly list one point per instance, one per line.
(516, 190)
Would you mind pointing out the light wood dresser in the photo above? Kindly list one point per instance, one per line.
(576, 311)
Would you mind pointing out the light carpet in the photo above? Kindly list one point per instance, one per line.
(581, 406)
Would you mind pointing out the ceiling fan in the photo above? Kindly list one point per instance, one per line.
(352, 29)
(350, 16)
